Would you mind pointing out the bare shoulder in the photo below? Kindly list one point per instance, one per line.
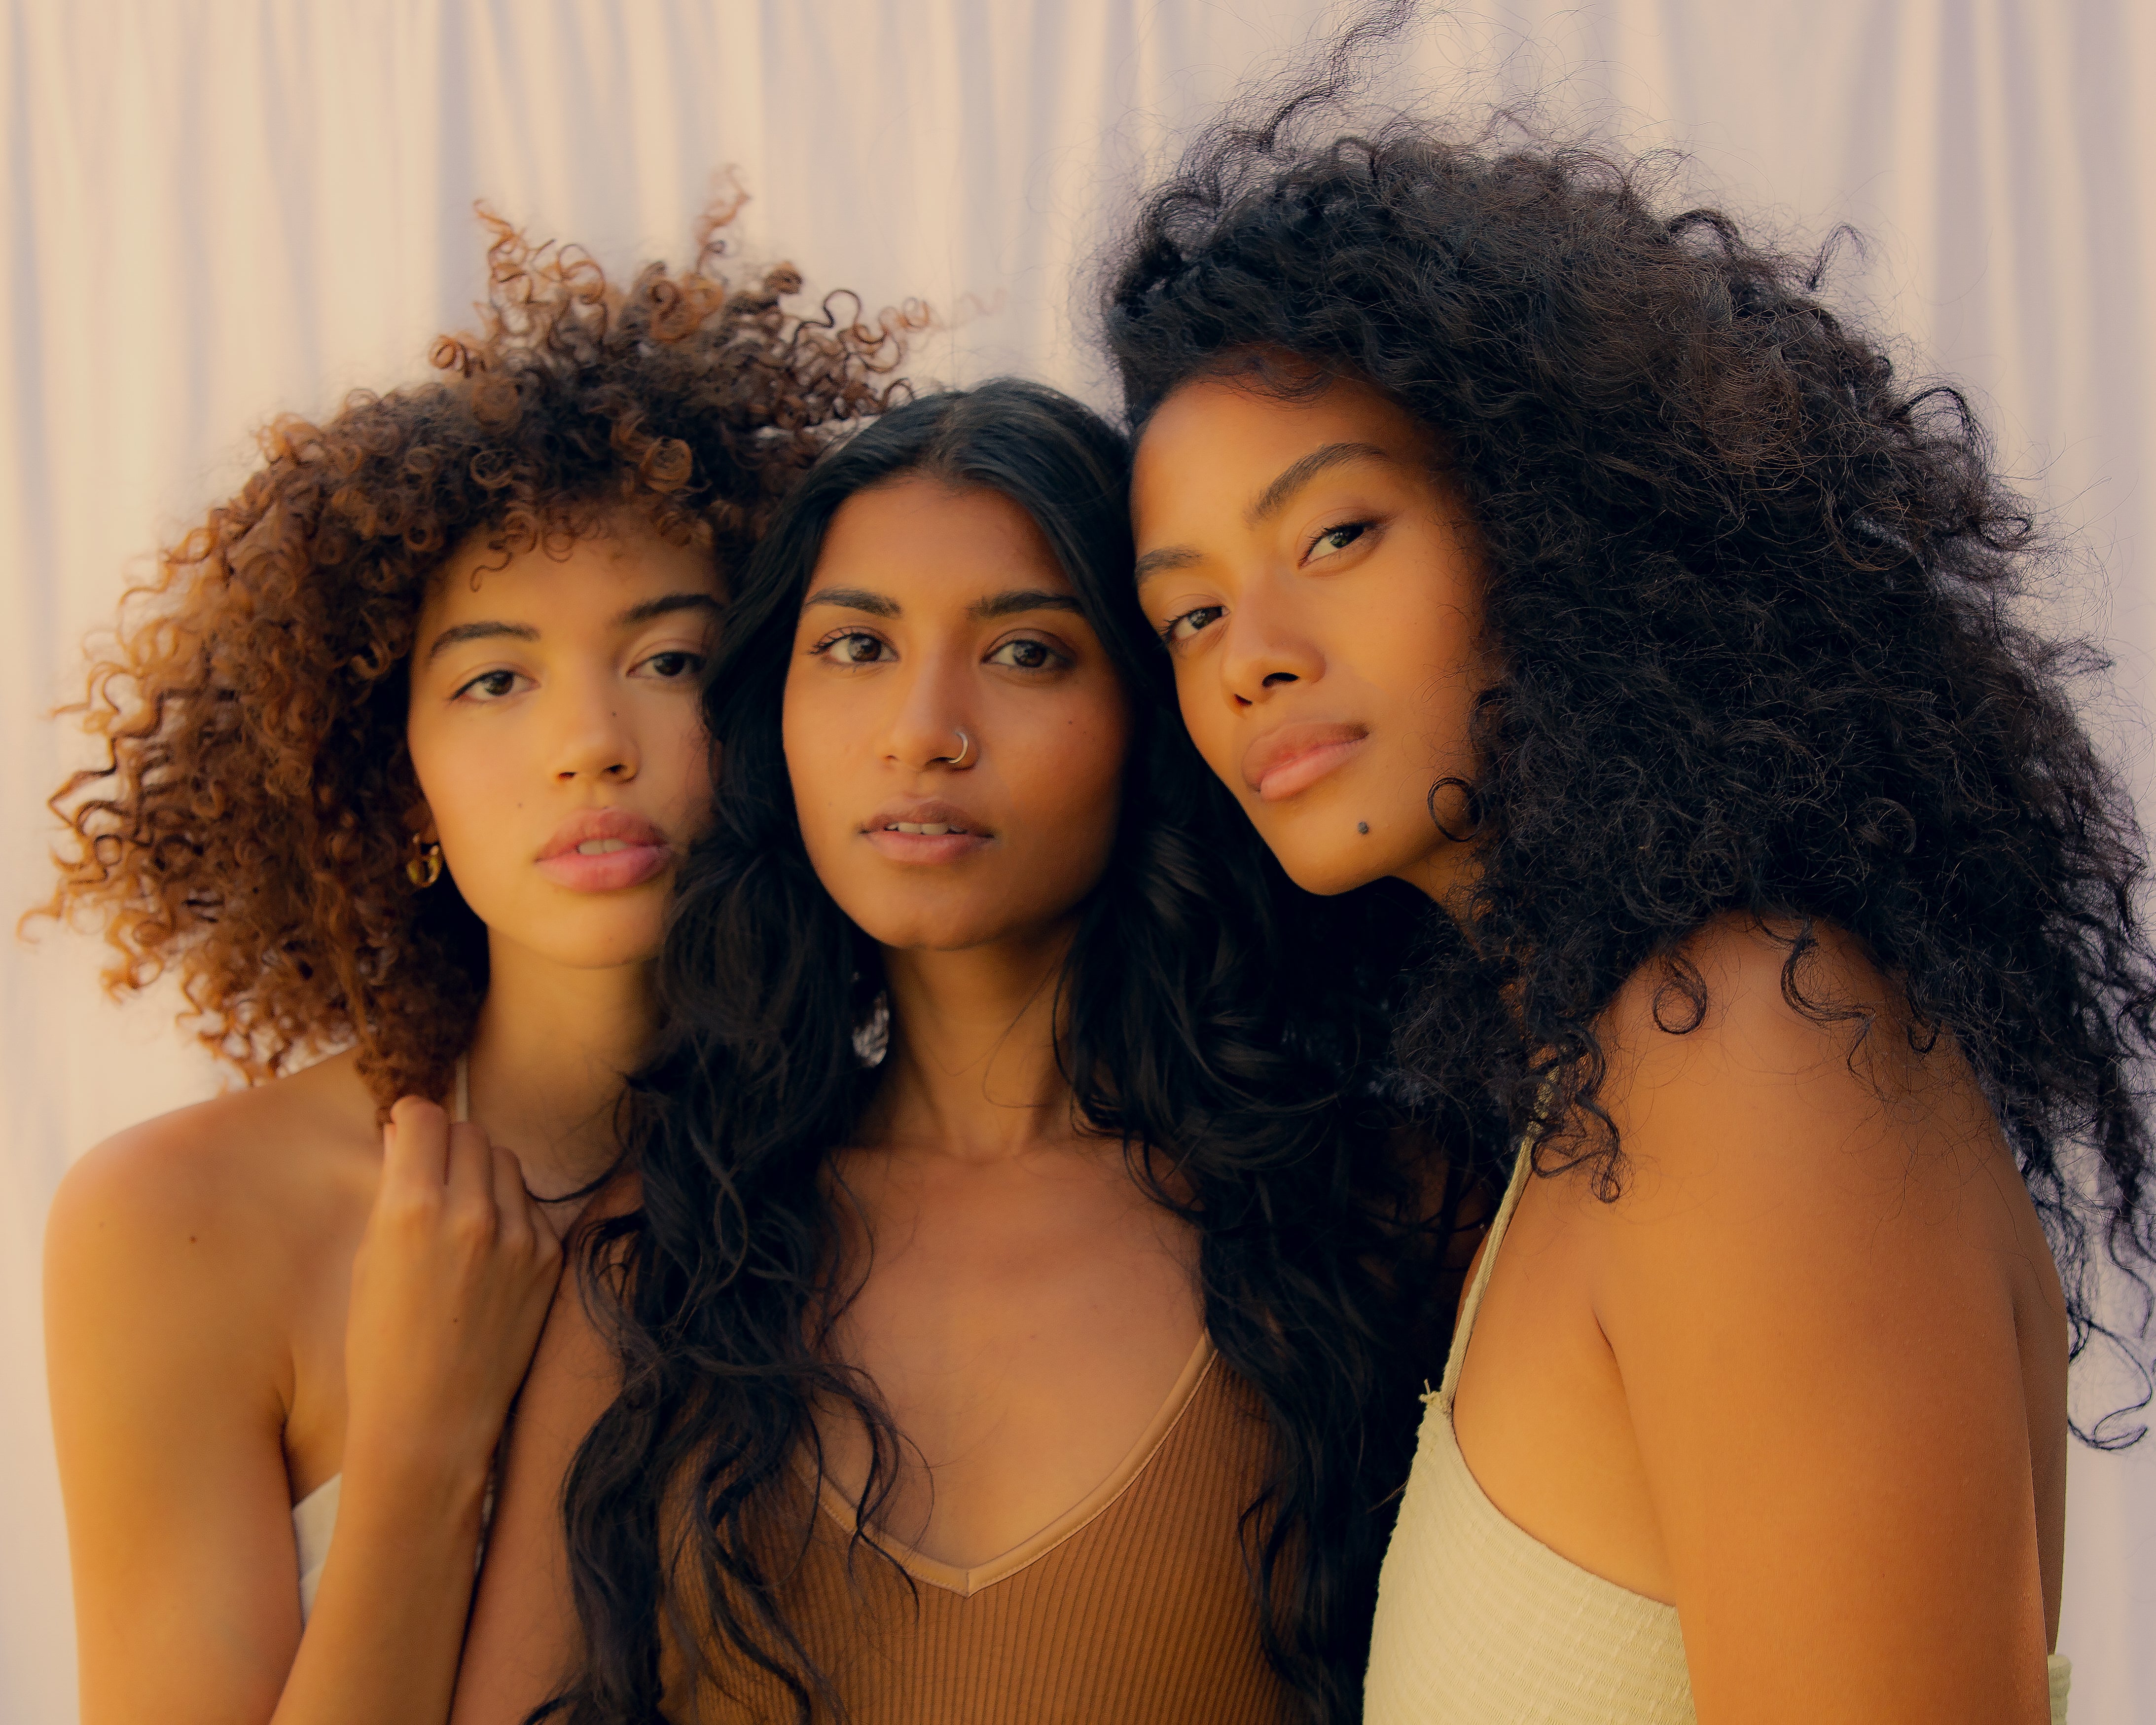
(1749, 1048)
(220, 1186)
(1785, 1124)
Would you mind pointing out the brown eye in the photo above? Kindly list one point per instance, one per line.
(492, 685)
(1336, 539)
(1025, 654)
(854, 647)
(1183, 627)
(674, 664)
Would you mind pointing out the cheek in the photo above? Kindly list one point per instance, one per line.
(1209, 721)
(1070, 785)
(816, 756)
(683, 756)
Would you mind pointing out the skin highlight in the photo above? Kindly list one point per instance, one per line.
(1856, 1446)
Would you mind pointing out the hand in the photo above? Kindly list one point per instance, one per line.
(449, 1290)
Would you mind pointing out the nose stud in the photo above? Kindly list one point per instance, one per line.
(964, 757)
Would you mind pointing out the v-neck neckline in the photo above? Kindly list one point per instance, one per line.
(968, 1582)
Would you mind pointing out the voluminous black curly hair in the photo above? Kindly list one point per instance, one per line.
(1759, 612)
(1227, 1050)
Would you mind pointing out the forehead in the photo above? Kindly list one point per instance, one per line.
(1232, 431)
(929, 535)
(599, 571)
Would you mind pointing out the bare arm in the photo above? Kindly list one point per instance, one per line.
(1817, 1291)
(170, 1369)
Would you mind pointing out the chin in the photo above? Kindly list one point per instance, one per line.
(1326, 869)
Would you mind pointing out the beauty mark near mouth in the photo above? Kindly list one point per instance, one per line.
(1287, 761)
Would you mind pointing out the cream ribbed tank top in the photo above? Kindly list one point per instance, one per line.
(1479, 1623)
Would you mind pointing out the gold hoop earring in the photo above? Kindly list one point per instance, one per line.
(424, 867)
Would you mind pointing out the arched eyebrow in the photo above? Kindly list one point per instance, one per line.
(853, 599)
(1292, 479)
(666, 605)
(1017, 599)
(1008, 604)
(457, 634)
(1269, 503)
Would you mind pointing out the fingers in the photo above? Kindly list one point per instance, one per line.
(415, 1144)
(471, 1179)
(512, 1203)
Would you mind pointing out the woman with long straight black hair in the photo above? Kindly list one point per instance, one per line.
(1019, 1317)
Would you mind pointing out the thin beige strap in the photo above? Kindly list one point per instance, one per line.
(460, 1111)
(1485, 1262)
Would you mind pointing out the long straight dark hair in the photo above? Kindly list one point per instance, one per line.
(1226, 1053)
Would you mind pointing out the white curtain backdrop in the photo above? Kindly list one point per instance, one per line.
(215, 210)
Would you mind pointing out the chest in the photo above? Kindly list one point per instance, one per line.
(1022, 1327)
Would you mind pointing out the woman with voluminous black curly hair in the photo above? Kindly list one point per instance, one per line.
(1567, 557)
(1016, 1322)
(403, 752)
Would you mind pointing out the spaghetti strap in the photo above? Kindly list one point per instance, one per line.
(1485, 1261)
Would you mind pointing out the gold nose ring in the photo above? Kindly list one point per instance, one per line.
(965, 754)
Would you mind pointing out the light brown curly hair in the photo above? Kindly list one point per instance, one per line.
(251, 822)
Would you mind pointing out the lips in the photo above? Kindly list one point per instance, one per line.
(924, 830)
(604, 850)
(1287, 761)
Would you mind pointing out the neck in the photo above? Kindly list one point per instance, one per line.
(971, 1071)
(1446, 876)
(547, 1060)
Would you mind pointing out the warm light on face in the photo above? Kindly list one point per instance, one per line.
(1320, 592)
(954, 731)
(555, 732)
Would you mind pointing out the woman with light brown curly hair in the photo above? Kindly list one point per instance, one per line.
(401, 757)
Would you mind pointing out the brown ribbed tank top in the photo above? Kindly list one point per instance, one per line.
(1134, 1607)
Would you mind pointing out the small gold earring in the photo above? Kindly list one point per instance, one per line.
(424, 867)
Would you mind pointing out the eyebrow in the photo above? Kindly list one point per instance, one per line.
(853, 599)
(1017, 599)
(1009, 603)
(1269, 503)
(1297, 474)
(665, 604)
(457, 633)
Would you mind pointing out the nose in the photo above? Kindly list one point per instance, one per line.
(598, 744)
(1266, 649)
(931, 726)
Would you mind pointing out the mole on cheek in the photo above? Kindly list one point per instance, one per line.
(1363, 826)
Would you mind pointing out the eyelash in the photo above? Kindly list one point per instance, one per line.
(1356, 529)
(695, 662)
(822, 648)
(486, 677)
(1166, 630)
(692, 662)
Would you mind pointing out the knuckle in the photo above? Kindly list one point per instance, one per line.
(472, 1225)
(415, 1112)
